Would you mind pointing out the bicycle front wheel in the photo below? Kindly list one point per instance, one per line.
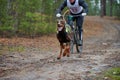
(79, 48)
(79, 42)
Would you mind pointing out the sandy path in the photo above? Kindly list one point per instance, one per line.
(101, 51)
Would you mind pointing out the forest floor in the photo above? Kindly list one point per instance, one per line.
(36, 59)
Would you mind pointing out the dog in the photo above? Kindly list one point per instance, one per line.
(63, 38)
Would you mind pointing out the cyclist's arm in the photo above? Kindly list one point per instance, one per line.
(84, 5)
(62, 6)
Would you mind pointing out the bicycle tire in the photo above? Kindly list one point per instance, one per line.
(77, 38)
(72, 42)
(71, 46)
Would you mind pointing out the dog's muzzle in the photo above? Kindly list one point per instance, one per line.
(60, 25)
(60, 28)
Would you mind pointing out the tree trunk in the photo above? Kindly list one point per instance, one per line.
(111, 7)
(103, 8)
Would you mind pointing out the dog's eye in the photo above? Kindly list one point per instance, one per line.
(63, 22)
(58, 22)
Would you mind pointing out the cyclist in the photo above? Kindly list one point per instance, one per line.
(76, 7)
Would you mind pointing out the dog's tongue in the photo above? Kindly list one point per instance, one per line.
(60, 28)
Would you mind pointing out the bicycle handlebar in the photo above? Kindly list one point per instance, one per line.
(83, 14)
(75, 15)
(67, 11)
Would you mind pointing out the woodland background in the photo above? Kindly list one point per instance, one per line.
(37, 17)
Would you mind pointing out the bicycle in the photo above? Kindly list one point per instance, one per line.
(75, 38)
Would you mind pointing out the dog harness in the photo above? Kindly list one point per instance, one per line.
(63, 37)
(68, 28)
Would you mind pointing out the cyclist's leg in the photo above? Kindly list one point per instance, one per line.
(79, 22)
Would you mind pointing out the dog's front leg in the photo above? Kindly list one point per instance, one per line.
(68, 49)
(60, 54)
(65, 51)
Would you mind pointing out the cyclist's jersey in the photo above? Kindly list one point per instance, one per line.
(75, 8)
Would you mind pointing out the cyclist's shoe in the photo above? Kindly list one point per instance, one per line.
(80, 43)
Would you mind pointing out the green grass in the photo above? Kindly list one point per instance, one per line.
(113, 74)
(110, 74)
(16, 49)
(8, 48)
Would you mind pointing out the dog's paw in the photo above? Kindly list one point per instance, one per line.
(64, 54)
(58, 58)
(68, 55)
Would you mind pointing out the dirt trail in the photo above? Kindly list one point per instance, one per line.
(101, 51)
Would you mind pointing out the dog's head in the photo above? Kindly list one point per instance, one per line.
(60, 24)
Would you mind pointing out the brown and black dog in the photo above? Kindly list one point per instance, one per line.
(63, 39)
